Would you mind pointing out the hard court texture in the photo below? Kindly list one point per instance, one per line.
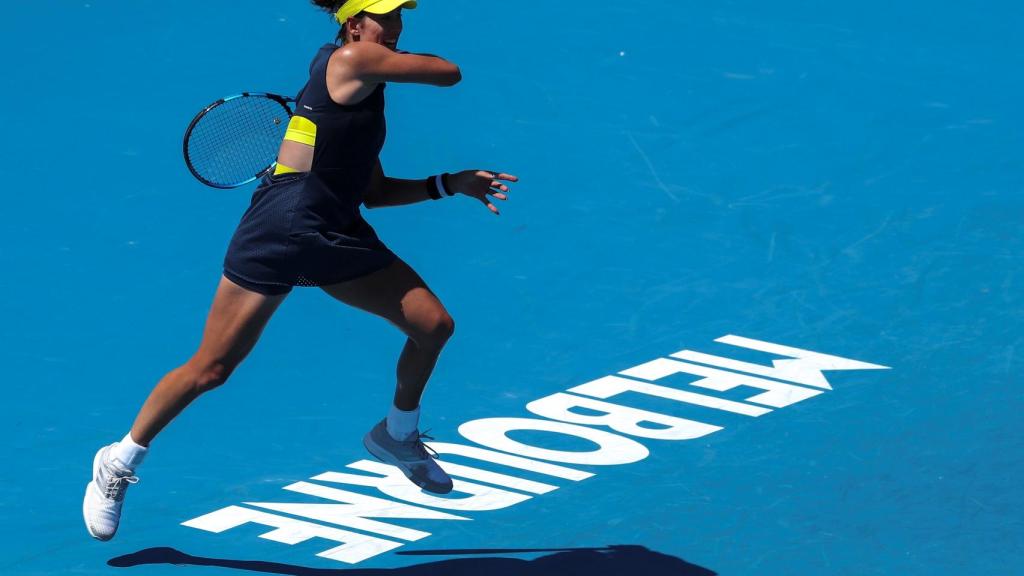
(844, 179)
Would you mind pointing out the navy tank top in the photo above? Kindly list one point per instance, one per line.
(346, 139)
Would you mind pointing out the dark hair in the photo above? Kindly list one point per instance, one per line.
(332, 7)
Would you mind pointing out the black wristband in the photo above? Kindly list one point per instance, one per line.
(447, 187)
(432, 190)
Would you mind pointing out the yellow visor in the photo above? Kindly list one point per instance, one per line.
(353, 7)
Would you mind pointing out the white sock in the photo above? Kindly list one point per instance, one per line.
(128, 453)
(402, 425)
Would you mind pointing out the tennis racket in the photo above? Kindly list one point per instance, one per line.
(234, 140)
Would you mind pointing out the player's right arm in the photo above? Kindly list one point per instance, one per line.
(372, 63)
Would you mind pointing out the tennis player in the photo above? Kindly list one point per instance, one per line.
(304, 228)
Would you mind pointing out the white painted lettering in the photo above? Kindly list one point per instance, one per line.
(788, 380)
(619, 418)
(354, 547)
(392, 482)
(354, 510)
(612, 448)
(803, 367)
(612, 385)
(509, 460)
(777, 394)
(461, 471)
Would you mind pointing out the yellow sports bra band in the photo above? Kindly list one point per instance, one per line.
(301, 130)
(282, 169)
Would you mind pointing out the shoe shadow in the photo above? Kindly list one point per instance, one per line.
(628, 560)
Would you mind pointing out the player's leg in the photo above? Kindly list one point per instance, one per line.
(234, 324)
(400, 296)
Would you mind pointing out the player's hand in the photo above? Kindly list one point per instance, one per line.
(482, 184)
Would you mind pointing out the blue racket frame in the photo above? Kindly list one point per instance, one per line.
(283, 100)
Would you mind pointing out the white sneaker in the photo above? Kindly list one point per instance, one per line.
(104, 495)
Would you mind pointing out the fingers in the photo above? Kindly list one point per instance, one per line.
(496, 181)
(504, 176)
(496, 188)
(494, 175)
(491, 207)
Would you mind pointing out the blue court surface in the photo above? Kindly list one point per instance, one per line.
(744, 181)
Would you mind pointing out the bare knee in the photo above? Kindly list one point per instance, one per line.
(434, 329)
(205, 375)
(445, 326)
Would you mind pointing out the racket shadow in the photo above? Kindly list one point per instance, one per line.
(625, 559)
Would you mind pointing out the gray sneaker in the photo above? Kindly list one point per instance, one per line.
(414, 458)
(104, 495)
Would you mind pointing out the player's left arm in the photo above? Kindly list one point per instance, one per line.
(480, 184)
(385, 191)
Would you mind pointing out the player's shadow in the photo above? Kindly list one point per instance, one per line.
(628, 560)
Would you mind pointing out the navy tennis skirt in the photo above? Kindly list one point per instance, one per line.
(298, 232)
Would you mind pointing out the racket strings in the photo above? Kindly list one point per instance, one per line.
(237, 140)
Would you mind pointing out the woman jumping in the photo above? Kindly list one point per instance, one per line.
(304, 228)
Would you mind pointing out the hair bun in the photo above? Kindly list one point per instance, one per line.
(330, 6)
